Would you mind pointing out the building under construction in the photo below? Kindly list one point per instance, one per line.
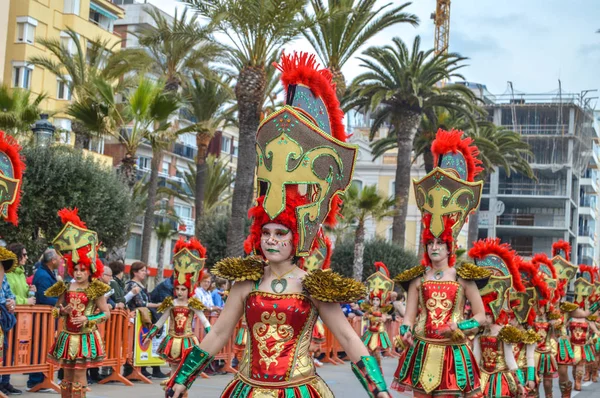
(562, 202)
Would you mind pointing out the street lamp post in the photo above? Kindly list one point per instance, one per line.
(43, 131)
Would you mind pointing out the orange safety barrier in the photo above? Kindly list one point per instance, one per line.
(114, 333)
(226, 354)
(29, 342)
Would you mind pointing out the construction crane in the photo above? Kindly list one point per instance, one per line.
(441, 20)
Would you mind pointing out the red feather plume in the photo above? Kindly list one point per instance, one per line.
(542, 258)
(328, 253)
(381, 267)
(70, 215)
(452, 141)
(11, 147)
(563, 246)
(303, 68)
(535, 279)
(588, 268)
(192, 245)
(488, 246)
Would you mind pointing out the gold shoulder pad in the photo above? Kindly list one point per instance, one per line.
(196, 304)
(566, 306)
(97, 289)
(471, 272)
(331, 287)
(407, 276)
(166, 304)
(56, 290)
(531, 337)
(240, 269)
(510, 334)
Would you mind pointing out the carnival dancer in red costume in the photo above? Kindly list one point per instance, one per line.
(493, 348)
(565, 272)
(81, 303)
(578, 326)
(523, 305)
(301, 143)
(380, 286)
(188, 265)
(438, 360)
(545, 322)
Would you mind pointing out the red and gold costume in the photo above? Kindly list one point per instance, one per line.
(380, 285)
(188, 263)
(439, 363)
(78, 346)
(301, 143)
(500, 374)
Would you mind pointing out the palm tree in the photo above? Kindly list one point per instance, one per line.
(206, 104)
(142, 116)
(346, 25)
(360, 206)
(256, 29)
(18, 110)
(164, 231)
(400, 86)
(78, 69)
(217, 187)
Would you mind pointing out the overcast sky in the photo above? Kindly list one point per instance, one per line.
(532, 43)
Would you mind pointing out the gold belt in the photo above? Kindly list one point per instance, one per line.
(439, 342)
(276, 384)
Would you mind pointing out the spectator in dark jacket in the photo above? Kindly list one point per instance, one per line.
(45, 277)
(117, 283)
(162, 291)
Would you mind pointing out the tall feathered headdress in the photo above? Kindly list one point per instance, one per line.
(188, 261)
(303, 143)
(448, 194)
(379, 284)
(565, 271)
(11, 177)
(500, 259)
(537, 293)
(584, 285)
(77, 244)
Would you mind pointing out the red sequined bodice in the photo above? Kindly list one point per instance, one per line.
(182, 321)
(279, 330)
(439, 301)
(543, 329)
(78, 301)
(579, 332)
(492, 354)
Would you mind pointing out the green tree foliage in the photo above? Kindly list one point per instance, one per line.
(213, 235)
(396, 258)
(59, 177)
(18, 110)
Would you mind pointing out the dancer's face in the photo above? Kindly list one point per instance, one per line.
(376, 302)
(81, 274)
(276, 242)
(181, 292)
(437, 250)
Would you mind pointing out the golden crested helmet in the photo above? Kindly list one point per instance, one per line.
(302, 156)
(502, 262)
(448, 194)
(537, 293)
(565, 271)
(11, 176)
(585, 286)
(320, 256)
(188, 261)
(379, 284)
(77, 244)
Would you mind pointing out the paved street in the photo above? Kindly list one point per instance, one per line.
(340, 379)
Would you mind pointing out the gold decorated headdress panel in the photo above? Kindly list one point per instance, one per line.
(187, 266)
(293, 151)
(564, 269)
(522, 303)
(379, 284)
(445, 196)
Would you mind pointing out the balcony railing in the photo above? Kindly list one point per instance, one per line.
(531, 220)
(185, 150)
(530, 188)
(541, 129)
(523, 250)
(588, 201)
(587, 231)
